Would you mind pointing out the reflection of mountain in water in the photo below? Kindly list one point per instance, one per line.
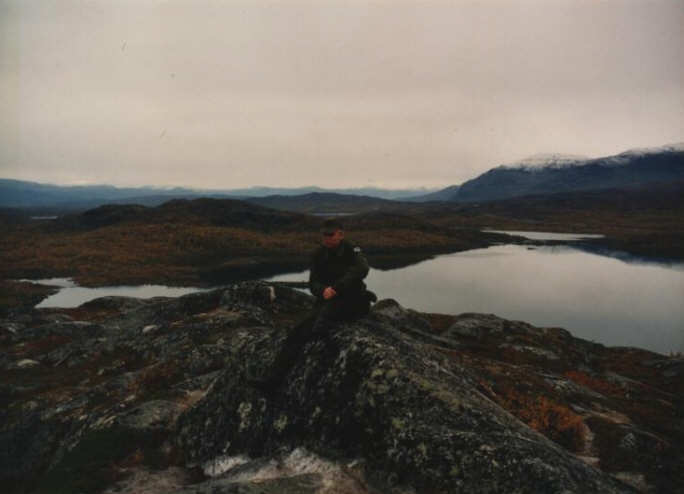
(547, 235)
(72, 295)
(627, 257)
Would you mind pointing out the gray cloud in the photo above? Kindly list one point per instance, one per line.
(227, 94)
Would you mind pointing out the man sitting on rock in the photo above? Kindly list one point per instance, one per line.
(336, 280)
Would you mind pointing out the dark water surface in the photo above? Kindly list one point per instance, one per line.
(72, 295)
(595, 297)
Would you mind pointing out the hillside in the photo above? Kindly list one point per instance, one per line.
(621, 171)
(447, 194)
(59, 199)
(205, 241)
(322, 203)
(551, 174)
(198, 212)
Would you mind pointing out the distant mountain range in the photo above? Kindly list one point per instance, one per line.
(324, 202)
(446, 194)
(243, 214)
(537, 175)
(551, 174)
(198, 211)
(23, 194)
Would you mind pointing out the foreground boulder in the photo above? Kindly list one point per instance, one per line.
(371, 393)
(151, 396)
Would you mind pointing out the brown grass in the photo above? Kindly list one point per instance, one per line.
(177, 253)
(554, 420)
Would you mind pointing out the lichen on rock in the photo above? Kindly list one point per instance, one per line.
(398, 401)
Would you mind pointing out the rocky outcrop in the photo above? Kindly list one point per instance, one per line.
(126, 395)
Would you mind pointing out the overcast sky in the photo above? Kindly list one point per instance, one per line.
(395, 93)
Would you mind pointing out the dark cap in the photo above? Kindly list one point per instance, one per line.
(331, 225)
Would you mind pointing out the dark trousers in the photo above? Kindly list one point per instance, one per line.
(318, 324)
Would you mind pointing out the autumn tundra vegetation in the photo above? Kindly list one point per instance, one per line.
(203, 241)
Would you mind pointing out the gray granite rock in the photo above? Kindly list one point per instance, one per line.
(380, 393)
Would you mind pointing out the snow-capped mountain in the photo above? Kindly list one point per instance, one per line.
(676, 147)
(548, 174)
(546, 160)
(626, 156)
(558, 160)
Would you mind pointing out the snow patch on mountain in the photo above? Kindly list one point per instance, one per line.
(548, 160)
(629, 155)
(545, 160)
(677, 147)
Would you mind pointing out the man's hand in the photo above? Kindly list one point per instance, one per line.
(329, 293)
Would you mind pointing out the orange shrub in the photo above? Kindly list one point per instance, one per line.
(554, 420)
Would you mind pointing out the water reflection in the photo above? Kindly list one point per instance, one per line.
(595, 297)
(546, 235)
(629, 258)
(72, 295)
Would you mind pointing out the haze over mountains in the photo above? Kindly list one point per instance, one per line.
(537, 175)
(24, 194)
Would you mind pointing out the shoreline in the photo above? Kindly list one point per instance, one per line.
(21, 293)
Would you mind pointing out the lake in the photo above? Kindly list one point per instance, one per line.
(72, 295)
(595, 297)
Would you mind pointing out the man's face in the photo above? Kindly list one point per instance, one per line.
(332, 239)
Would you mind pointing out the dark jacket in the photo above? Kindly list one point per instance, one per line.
(342, 268)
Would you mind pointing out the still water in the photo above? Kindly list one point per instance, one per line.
(597, 298)
(546, 235)
(72, 295)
